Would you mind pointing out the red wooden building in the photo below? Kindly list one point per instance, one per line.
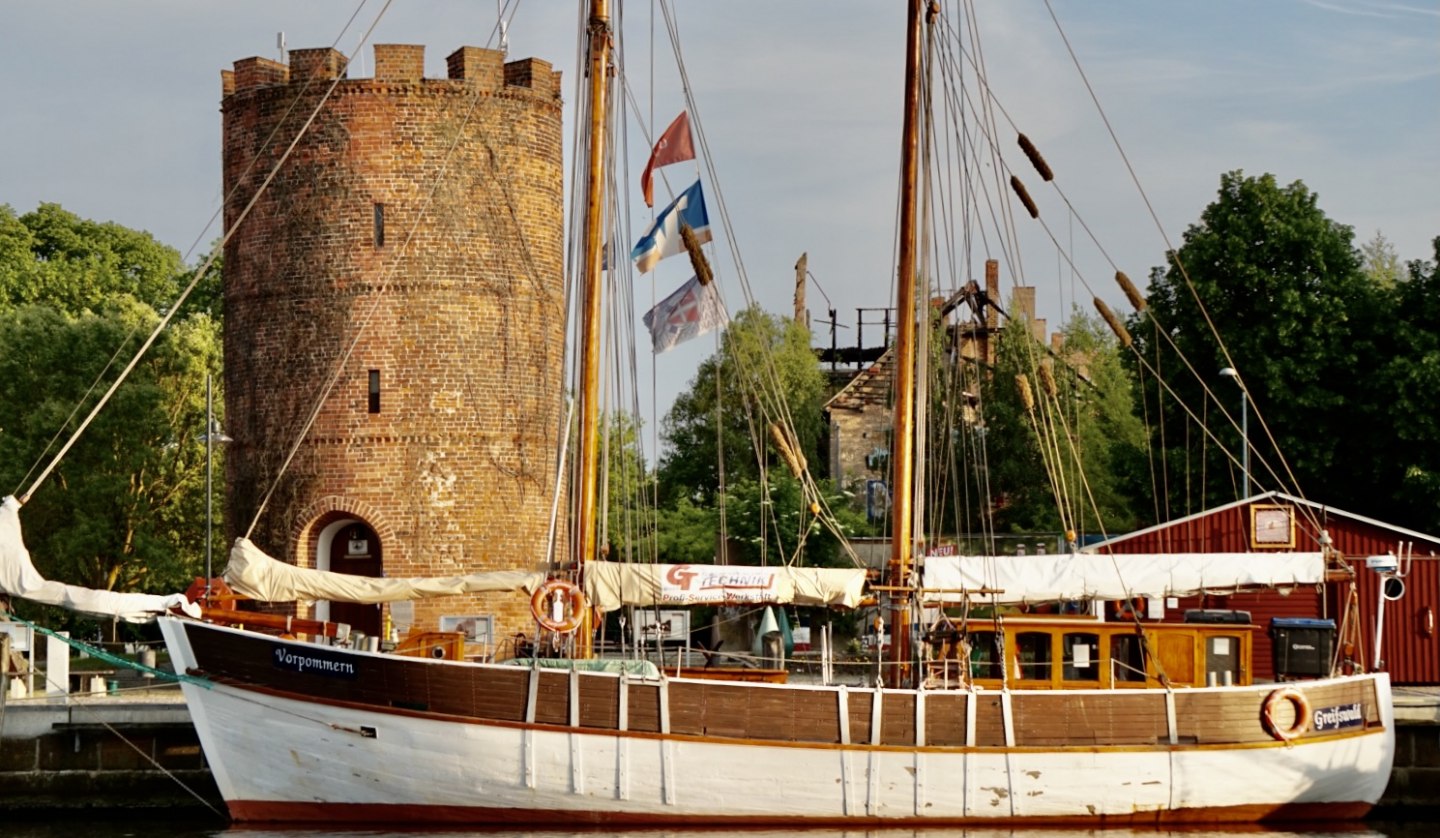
(1281, 522)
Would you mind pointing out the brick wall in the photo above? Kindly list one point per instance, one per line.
(460, 309)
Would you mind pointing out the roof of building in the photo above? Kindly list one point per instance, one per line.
(1271, 497)
(869, 388)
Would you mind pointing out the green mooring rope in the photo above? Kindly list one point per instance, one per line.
(108, 657)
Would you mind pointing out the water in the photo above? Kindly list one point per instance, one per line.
(189, 824)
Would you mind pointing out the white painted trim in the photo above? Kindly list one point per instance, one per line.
(876, 716)
(1170, 721)
(623, 711)
(920, 718)
(532, 694)
(970, 699)
(1007, 718)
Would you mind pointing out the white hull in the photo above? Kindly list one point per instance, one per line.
(277, 758)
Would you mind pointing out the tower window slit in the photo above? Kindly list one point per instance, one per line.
(374, 391)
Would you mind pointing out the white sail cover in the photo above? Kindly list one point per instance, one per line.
(1079, 576)
(609, 585)
(254, 574)
(18, 577)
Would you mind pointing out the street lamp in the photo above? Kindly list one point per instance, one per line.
(1229, 372)
(212, 435)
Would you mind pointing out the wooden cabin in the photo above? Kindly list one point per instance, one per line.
(1058, 653)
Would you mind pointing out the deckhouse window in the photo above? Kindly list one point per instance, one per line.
(985, 655)
(1080, 657)
(1032, 656)
(1127, 661)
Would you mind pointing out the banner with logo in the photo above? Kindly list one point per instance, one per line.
(610, 585)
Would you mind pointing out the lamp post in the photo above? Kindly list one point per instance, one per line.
(211, 436)
(1229, 372)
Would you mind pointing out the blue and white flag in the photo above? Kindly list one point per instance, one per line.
(663, 237)
(691, 311)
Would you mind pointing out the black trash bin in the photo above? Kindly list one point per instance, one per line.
(1302, 647)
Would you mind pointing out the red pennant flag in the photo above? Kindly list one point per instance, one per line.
(674, 146)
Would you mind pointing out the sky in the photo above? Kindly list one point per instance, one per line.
(111, 109)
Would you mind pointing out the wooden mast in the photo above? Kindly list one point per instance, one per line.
(587, 478)
(902, 465)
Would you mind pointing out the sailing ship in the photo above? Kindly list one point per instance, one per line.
(1036, 720)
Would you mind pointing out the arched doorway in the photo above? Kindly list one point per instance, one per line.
(350, 546)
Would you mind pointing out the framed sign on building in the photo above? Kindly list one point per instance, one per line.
(1272, 525)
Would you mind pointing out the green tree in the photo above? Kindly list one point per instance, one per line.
(125, 508)
(1408, 376)
(773, 521)
(763, 373)
(1067, 443)
(629, 491)
(687, 533)
(1380, 261)
(1284, 285)
(56, 258)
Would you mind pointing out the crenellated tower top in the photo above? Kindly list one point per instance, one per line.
(467, 68)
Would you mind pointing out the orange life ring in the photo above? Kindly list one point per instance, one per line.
(1126, 609)
(1297, 700)
(573, 599)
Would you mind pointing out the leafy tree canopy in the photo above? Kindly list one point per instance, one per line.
(1408, 376)
(1283, 284)
(55, 258)
(772, 522)
(125, 508)
(764, 372)
(1062, 455)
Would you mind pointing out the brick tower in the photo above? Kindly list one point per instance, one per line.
(418, 227)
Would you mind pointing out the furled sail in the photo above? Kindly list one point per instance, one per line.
(18, 577)
(1079, 576)
(254, 574)
(609, 585)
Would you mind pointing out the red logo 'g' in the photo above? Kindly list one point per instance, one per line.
(678, 575)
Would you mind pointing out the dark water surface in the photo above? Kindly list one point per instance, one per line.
(189, 824)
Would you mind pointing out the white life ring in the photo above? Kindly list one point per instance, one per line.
(573, 607)
(1297, 700)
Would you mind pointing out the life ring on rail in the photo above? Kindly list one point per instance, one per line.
(555, 597)
(1297, 700)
